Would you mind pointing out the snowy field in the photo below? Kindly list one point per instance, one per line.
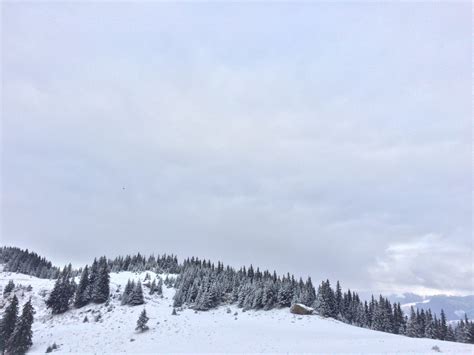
(274, 331)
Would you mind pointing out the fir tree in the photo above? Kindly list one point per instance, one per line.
(338, 300)
(21, 339)
(443, 327)
(101, 285)
(8, 322)
(153, 287)
(8, 288)
(136, 298)
(62, 292)
(82, 292)
(412, 324)
(93, 275)
(159, 287)
(127, 292)
(142, 322)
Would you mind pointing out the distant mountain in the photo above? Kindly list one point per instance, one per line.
(454, 306)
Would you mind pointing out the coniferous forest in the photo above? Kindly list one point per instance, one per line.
(203, 285)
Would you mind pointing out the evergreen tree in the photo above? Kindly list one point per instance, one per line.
(8, 288)
(450, 336)
(153, 287)
(338, 300)
(142, 322)
(127, 292)
(159, 288)
(8, 322)
(325, 300)
(93, 275)
(82, 292)
(136, 298)
(412, 324)
(62, 292)
(443, 328)
(101, 285)
(21, 338)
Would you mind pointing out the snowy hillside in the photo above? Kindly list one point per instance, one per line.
(213, 331)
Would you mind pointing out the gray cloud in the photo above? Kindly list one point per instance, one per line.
(285, 143)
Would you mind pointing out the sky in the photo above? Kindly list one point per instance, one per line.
(330, 140)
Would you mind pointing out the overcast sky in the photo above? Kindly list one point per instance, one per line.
(331, 140)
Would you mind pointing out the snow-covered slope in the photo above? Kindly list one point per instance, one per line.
(212, 331)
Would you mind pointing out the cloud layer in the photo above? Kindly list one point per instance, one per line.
(319, 139)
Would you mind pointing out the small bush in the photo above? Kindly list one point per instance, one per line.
(50, 348)
(436, 348)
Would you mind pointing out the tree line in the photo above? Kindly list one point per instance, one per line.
(26, 262)
(202, 285)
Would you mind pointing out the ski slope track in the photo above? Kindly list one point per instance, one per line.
(216, 331)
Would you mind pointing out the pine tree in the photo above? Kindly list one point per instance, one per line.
(338, 300)
(62, 292)
(101, 286)
(450, 336)
(21, 339)
(325, 300)
(7, 323)
(142, 322)
(136, 298)
(412, 324)
(127, 292)
(159, 287)
(8, 288)
(444, 328)
(152, 287)
(82, 292)
(93, 275)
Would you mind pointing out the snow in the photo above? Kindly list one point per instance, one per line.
(191, 332)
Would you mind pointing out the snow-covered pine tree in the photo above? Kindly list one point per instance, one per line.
(269, 296)
(338, 300)
(127, 292)
(153, 287)
(101, 285)
(8, 322)
(136, 298)
(450, 334)
(142, 322)
(82, 291)
(285, 293)
(159, 287)
(8, 288)
(21, 338)
(412, 324)
(62, 292)
(325, 300)
(443, 326)
(93, 275)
